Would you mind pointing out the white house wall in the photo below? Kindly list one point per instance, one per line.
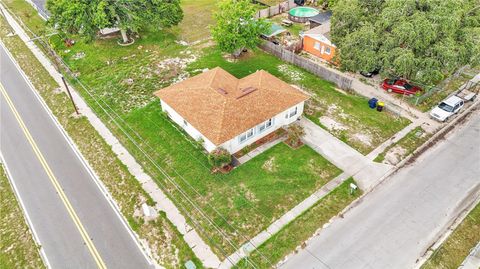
(234, 145)
(194, 133)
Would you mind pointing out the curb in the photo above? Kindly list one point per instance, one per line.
(25, 215)
(427, 144)
(451, 227)
(145, 250)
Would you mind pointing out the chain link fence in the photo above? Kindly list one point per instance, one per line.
(460, 80)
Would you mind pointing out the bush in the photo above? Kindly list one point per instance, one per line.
(295, 133)
(219, 158)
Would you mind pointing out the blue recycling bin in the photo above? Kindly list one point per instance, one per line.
(372, 103)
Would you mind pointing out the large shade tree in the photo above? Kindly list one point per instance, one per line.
(87, 17)
(421, 40)
(236, 26)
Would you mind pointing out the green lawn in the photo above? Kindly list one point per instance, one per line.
(17, 247)
(188, 167)
(241, 203)
(302, 228)
(356, 124)
(458, 245)
(405, 146)
(249, 198)
(167, 243)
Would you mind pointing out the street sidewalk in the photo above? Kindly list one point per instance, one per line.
(163, 203)
(362, 168)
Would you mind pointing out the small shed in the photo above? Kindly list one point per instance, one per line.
(320, 18)
(274, 30)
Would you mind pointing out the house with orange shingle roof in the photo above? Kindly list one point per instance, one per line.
(228, 112)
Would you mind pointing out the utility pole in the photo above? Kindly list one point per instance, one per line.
(70, 95)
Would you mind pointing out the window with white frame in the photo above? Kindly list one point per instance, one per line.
(293, 112)
(316, 46)
(327, 50)
(245, 136)
(265, 125)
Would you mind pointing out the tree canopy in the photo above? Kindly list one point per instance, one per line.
(421, 40)
(236, 26)
(87, 17)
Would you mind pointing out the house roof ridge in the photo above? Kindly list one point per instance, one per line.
(223, 119)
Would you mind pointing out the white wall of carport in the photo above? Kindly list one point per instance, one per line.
(233, 145)
(194, 133)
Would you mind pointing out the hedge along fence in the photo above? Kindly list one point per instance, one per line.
(342, 81)
(276, 9)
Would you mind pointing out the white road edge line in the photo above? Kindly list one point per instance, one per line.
(29, 222)
(85, 163)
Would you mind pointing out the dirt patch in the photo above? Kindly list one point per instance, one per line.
(363, 138)
(331, 124)
(78, 56)
(270, 165)
(293, 74)
(172, 69)
(395, 154)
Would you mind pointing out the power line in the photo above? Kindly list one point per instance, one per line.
(179, 189)
(212, 223)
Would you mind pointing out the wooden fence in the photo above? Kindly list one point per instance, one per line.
(342, 81)
(276, 9)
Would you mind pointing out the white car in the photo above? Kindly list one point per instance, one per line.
(447, 108)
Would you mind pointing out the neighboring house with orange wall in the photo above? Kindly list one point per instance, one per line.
(316, 41)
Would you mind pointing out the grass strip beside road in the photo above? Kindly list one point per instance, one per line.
(408, 144)
(167, 244)
(241, 203)
(458, 245)
(302, 228)
(17, 247)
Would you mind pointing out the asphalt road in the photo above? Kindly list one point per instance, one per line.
(41, 7)
(394, 225)
(35, 178)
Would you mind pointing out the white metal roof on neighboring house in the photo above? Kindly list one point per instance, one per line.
(321, 38)
(321, 29)
(321, 33)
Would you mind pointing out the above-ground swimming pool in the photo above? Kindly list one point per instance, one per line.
(301, 14)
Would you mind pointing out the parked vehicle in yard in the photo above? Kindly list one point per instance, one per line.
(369, 74)
(447, 108)
(452, 104)
(400, 86)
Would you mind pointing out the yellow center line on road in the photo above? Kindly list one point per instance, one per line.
(53, 179)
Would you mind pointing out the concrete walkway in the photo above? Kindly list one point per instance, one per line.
(259, 150)
(275, 227)
(163, 203)
(352, 162)
(473, 259)
(400, 220)
(366, 173)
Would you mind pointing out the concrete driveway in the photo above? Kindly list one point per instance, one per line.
(396, 223)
